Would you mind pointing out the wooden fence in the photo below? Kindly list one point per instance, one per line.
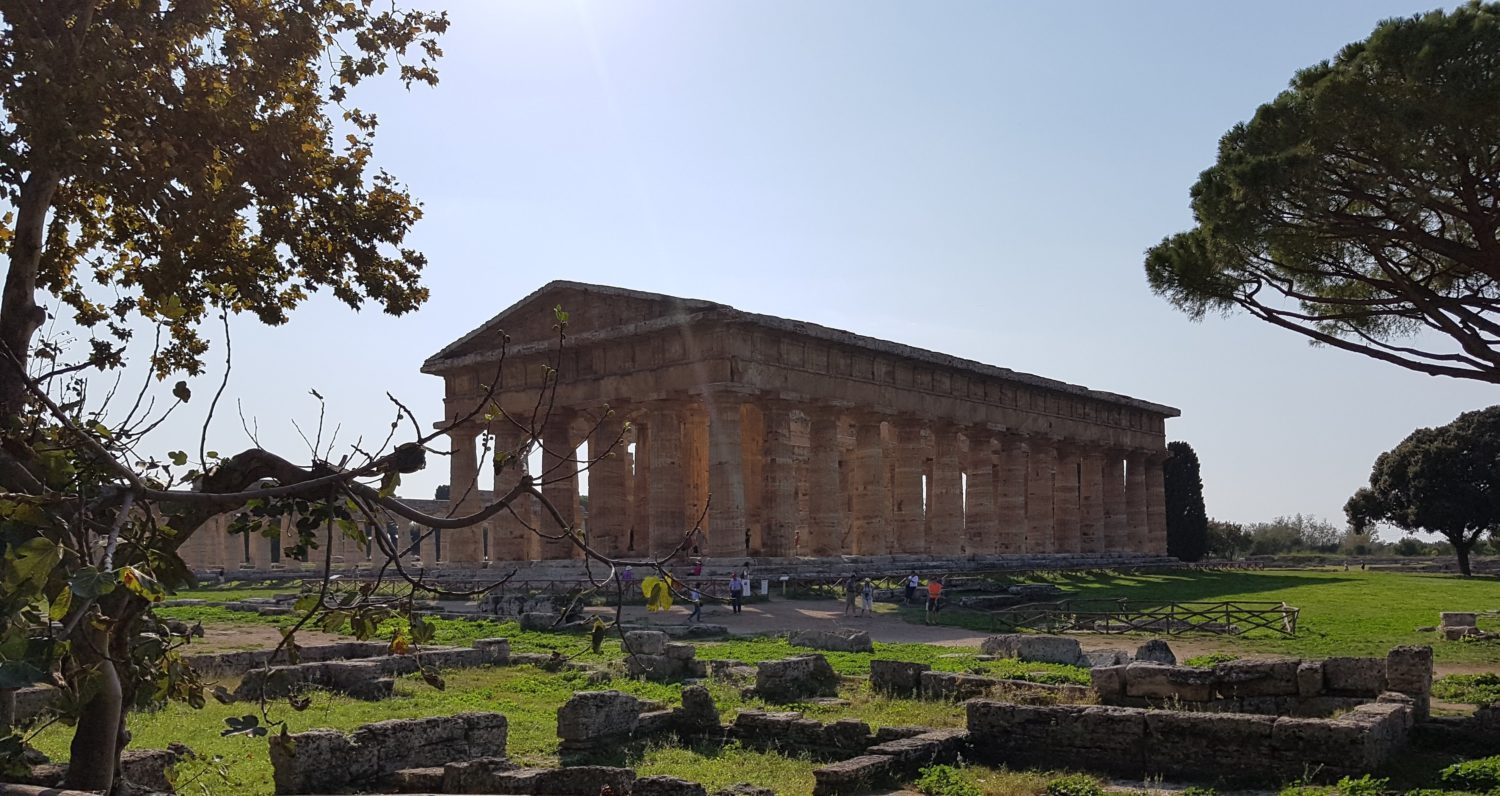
(1172, 618)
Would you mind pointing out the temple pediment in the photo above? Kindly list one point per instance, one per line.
(591, 309)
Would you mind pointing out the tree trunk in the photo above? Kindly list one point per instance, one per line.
(94, 753)
(20, 316)
(1463, 548)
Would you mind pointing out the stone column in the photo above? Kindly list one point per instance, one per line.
(1156, 503)
(695, 443)
(1116, 523)
(1091, 531)
(666, 505)
(726, 478)
(1010, 496)
(778, 495)
(464, 545)
(559, 485)
(945, 508)
(609, 481)
(510, 539)
(825, 501)
(979, 493)
(910, 519)
(640, 506)
(1135, 501)
(870, 535)
(1065, 503)
(1041, 460)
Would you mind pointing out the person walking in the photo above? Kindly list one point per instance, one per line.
(867, 594)
(934, 599)
(851, 591)
(696, 598)
(735, 584)
(912, 582)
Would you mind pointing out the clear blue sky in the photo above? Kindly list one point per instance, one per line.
(977, 178)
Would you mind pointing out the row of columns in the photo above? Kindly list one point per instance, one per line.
(904, 486)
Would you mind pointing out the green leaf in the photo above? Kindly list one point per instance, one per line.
(559, 314)
(89, 583)
(178, 458)
(142, 585)
(60, 605)
(389, 482)
(32, 561)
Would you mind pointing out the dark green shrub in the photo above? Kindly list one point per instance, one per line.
(943, 780)
(1074, 785)
(1477, 775)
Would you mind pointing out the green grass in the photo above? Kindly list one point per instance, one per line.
(529, 698)
(728, 765)
(1342, 613)
(1475, 689)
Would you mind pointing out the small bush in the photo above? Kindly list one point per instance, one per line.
(1197, 790)
(943, 780)
(1074, 785)
(1478, 775)
(1306, 790)
(1363, 786)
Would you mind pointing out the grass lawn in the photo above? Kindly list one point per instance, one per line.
(1343, 613)
(529, 698)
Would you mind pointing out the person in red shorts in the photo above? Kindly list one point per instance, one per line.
(934, 598)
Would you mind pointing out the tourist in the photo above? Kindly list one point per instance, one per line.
(697, 567)
(912, 582)
(735, 584)
(851, 591)
(934, 599)
(627, 576)
(696, 599)
(867, 594)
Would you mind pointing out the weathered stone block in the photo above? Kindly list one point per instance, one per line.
(540, 620)
(646, 642)
(681, 652)
(590, 718)
(1408, 669)
(473, 776)
(319, 761)
(1035, 648)
(1179, 743)
(495, 650)
(1156, 651)
(1108, 681)
(1157, 681)
(855, 775)
(1239, 679)
(1309, 679)
(1098, 658)
(897, 678)
(1354, 676)
(832, 640)
(796, 678)
(1459, 619)
(418, 780)
(698, 714)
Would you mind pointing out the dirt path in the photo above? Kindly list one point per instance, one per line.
(236, 638)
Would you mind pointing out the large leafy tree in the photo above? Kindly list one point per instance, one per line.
(1443, 480)
(166, 163)
(1359, 207)
(1187, 519)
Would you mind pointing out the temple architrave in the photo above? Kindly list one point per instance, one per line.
(811, 441)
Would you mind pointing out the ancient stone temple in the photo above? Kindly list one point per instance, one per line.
(785, 438)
